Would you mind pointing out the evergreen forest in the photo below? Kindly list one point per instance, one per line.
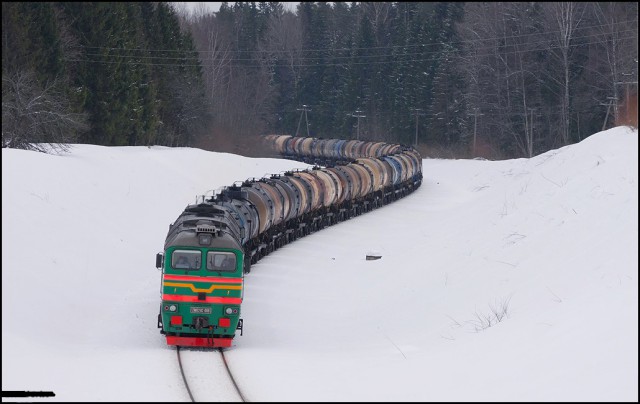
(457, 79)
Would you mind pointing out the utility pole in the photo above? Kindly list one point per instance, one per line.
(303, 111)
(358, 114)
(626, 83)
(530, 140)
(475, 129)
(611, 100)
(417, 111)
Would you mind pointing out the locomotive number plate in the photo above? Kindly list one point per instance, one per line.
(200, 310)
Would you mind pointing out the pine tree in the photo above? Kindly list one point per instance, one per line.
(446, 112)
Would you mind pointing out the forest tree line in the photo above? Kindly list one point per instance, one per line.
(110, 74)
(499, 80)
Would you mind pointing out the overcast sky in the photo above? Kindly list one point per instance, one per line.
(215, 5)
(511, 280)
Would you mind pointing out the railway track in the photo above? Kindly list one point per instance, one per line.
(206, 376)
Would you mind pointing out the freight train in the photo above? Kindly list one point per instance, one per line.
(213, 244)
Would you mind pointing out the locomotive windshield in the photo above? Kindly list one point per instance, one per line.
(185, 259)
(221, 261)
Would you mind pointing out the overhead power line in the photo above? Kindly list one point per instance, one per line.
(541, 41)
(395, 60)
(422, 45)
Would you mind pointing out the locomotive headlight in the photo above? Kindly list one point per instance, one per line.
(230, 310)
(173, 308)
(204, 239)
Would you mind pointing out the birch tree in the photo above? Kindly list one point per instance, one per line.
(617, 37)
(563, 19)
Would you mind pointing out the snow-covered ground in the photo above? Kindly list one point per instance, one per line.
(507, 280)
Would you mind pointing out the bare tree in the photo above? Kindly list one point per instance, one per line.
(501, 70)
(379, 13)
(35, 118)
(563, 19)
(284, 40)
(216, 63)
(617, 35)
